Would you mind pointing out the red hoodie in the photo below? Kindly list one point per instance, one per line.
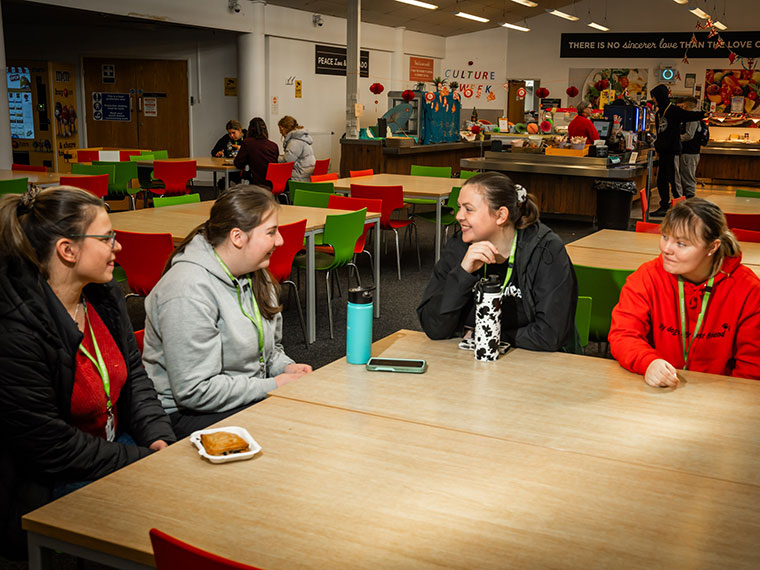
(647, 316)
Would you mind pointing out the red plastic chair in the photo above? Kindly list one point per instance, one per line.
(321, 167)
(356, 173)
(143, 257)
(644, 205)
(338, 202)
(744, 221)
(393, 199)
(28, 168)
(281, 262)
(278, 173)
(677, 200)
(140, 338)
(746, 235)
(88, 155)
(96, 184)
(324, 177)
(171, 553)
(175, 174)
(125, 154)
(647, 228)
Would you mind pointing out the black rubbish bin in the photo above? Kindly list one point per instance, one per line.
(613, 203)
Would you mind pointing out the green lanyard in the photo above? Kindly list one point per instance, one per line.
(256, 319)
(102, 369)
(510, 264)
(703, 310)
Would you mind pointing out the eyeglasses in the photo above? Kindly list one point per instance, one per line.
(105, 238)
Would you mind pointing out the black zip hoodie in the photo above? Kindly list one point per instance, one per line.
(669, 117)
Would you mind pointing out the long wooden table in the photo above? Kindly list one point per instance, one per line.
(534, 461)
(38, 178)
(428, 187)
(181, 220)
(735, 204)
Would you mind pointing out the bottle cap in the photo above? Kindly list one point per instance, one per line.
(360, 295)
(491, 284)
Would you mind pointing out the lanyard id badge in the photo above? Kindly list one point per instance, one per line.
(682, 309)
(510, 265)
(102, 369)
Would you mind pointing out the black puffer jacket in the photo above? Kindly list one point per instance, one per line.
(37, 364)
(544, 274)
(669, 117)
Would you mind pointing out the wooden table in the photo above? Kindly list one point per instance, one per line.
(534, 461)
(38, 178)
(428, 187)
(181, 220)
(734, 204)
(205, 163)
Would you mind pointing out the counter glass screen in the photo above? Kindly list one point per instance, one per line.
(603, 127)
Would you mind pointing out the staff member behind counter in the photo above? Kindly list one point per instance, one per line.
(581, 125)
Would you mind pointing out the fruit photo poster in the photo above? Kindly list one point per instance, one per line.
(590, 83)
(738, 86)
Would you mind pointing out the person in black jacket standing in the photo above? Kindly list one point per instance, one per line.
(668, 143)
(690, 146)
(75, 401)
(501, 235)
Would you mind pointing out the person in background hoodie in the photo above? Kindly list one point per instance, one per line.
(213, 325)
(256, 152)
(298, 150)
(668, 119)
(689, 151)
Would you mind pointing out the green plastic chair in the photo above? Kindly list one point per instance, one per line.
(145, 174)
(603, 286)
(143, 156)
(748, 194)
(467, 174)
(125, 172)
(583, 318)
(327, 187)
(161, 201)
(341, 232)
(431, 171)
(14, 186)
(96, 169)
(447, 218)
(302, 197)
(157, 154)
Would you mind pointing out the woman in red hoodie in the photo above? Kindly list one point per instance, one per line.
(698, 285)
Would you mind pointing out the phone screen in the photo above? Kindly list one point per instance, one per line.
(396, 362)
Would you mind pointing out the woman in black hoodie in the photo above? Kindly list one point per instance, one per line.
(668, 143)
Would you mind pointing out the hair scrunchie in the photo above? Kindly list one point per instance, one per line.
(522, 194)
(26, 203)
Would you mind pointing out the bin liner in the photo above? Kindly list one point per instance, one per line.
(613, 203)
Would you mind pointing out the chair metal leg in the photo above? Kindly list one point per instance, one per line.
(356, 273)
(371, 265)
(417, 243)
(329, 302)
(298, 308)
(398, 255)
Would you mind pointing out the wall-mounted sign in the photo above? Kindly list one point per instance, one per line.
(230, 87)
(551, 103)
(108, 73)
(331, 60)
(299, 89)
(421, 69)
(660, 45)
(150, 106)
(521, 93)
(111, 106)
(275, 106)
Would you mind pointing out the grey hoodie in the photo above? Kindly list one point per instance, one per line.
(200, 350)
(298, 150)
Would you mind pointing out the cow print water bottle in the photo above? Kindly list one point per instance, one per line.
(488, 318)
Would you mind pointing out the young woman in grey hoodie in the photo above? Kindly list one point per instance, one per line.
(213, 322)
(298, 148)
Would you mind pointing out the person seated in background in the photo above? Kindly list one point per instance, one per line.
(213, 322)
(298, 150)
(695, 307)
(581, 125)
(75, 401)
(501, 234)
(228, 146)
(256, 152)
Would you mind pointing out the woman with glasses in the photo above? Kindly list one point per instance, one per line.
(75, 401)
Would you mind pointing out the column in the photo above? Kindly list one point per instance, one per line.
(252, 67)
(397, 60)
(353, 42)
(6, 152)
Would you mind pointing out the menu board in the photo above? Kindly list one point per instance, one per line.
(20, 104)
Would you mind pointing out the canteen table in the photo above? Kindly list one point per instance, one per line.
(37, 178)
(180, 220)
(428, 187)
(735, 204)
(401, 471)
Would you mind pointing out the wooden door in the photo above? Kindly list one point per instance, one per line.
(108, 123)
(515, 104)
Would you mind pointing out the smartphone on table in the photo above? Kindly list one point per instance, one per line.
(410, 365)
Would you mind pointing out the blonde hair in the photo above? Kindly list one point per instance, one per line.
(288, 124)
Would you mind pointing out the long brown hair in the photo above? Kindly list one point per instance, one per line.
(243, 206)
(31, 223)
(288, 124)
(699, 219)
(257, 129)
(499, 190)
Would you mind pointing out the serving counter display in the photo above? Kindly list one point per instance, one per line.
(730, 162)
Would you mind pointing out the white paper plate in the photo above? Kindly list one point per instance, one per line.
(195, 439)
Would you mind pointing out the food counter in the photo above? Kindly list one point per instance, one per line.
(732, 161)
(360, 154)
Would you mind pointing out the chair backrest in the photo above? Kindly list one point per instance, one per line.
(338, 202)
(28, 168)
(647, 228)
(748, 193)
(321, 166)
(342, 232)
(281, 261)
(743, 221)
(453, 201)
(467, 174)
(159, 154)
(603, 285)
(171, 554)
(126, 155)
(109, 155)
(357, 173)
(161, 201)
(392, 197)
(327, 187)
(175, 174)
(324, 177)
(432, 171)
(140, 338)
(14, 186)
(124, 173)
(96, 184)
(88, 155)
(679, 199)
(644, 205)
(143, 257)
(278, 173)
(301, 197)
(746, 235)
(97, 169)
(139, 157)
(583, 318)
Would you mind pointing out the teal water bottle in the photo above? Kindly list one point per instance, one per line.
(359, 325)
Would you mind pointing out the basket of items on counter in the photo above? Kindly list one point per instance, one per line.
(569, 146)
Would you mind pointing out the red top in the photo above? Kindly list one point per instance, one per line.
(88, 400)
(581, 126)
(646, 324)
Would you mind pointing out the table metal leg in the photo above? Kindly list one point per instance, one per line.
(226, 179)
(438, 203)
(311, 296)
(377, 268)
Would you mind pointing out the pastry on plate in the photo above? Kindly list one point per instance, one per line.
(223, 443)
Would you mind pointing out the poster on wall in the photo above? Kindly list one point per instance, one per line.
(331, 60)
(421, 69)
(591, 82)
(733, 90)
(66, 137)
(20, 104)
(476, 87)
